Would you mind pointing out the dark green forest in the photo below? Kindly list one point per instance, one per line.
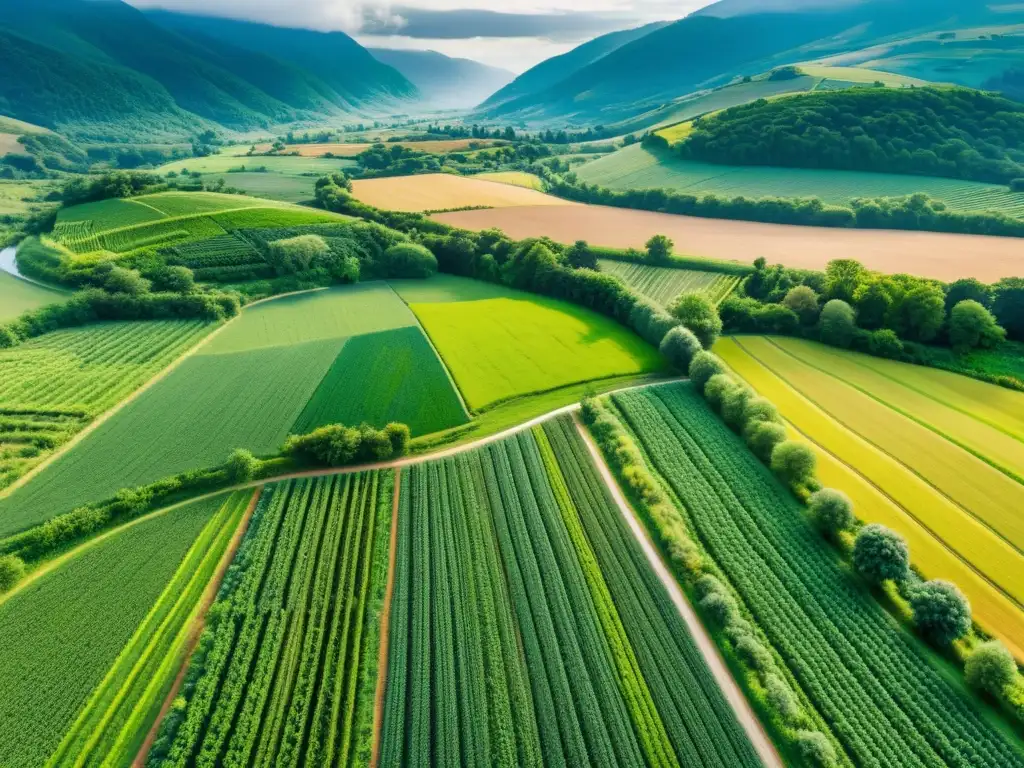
(952, 132)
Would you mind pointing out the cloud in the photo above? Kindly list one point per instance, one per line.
(474, 23)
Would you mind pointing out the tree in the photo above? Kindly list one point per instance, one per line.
(1008, 305)
(679, 347)
(967, 288)
(923, 312)
(885, 343)
(718, 388)
(873, 300)
(763, 437)
(837, 323)
(831, 510)
(842, 277)
(659, 249)
(241, 466)
(794, 462)
(121, 280)
(173, 279)
(399, 436)
(11, 570)
(409, 260)
(804, 302)
(941, 611)
(734, 405)
(703, 366)
(579, 256)
(697, 313)
(972, 326)
(880, 554)
(296, 254)
(990, 668)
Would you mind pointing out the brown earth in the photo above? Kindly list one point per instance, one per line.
(928, 254)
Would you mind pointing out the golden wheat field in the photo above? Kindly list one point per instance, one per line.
(442, 191)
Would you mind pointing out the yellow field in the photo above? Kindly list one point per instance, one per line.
(676, 133)
(443, 191)
(515, 178)
(945, 542)
(861, 75)
(342, 149)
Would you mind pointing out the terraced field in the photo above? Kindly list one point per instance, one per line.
(635, 167)
(512, 639)
(250, 387)
(503, 348)
(664, 284)
(880, 693)
(286, 669)
(894, 428)
(60, 642)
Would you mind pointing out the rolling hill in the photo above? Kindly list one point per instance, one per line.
(445, 82)
(105, 70)
(737, 38)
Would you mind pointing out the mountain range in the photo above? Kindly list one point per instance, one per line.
(445, 82)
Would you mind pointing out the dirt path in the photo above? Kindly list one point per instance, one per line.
(939, 255)
(744, 714)
(197, 628)
(385, 628)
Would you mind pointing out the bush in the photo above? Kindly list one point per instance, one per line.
(837, 323)
(990, 668)
(815, 748)
(719, 607)
(409, 260)
(173, 279)
(337, 445)
(831, 510)
(885, 343)
(763, 437)
(754, 653)
(679, 347)
(11, 570)
(794, 462)
(296, 254)
(718, 387)
(128, 281)
(698, 314)
(757, 410)
(734, 405)
(941, 611)
(880, 554)
(972, 326)
(804, 302)
(703, 366)
(241, 466)
(782, 699)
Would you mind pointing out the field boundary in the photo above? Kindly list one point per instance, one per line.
(878, 448)
(709, 651)
(385, 627)
(198, 623)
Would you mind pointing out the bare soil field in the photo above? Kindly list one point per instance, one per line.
(351, 150)
(443, 191)
(928, 254)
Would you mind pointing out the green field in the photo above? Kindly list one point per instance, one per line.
(274, 186)
(17, 296)
(503, 348)
(527, 628)
(51, 386)
(286, 670)
(60, 635)
(638, 168)
(664, 284)
(877, 689)
(250, 387)
(279, 165)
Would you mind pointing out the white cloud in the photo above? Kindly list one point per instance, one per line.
(516, 54)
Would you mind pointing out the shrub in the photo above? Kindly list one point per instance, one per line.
(763, 437)
(972, 326)
(831, 510)
(241, 466)
(885, 343)
(719, 607)
(399, 436)
(336, 444)
(296, 254)
(815, 748)
(409, 260)
(837, 323)
(679, 347)
(757, 410)
(794, 462)
(718, 386)
(734, 405)
(121, 280)
(754, 653)
(781, 699)
(697, 313)
(990, 668)
(804, 302)
(703, 366)
(173, 279)
(880, 554)
(11, 570)
(941, 611)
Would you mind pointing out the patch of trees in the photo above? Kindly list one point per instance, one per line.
(396, 160)
(337, 445)
(951, 132)
(88, 189)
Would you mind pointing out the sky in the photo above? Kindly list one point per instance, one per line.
(512, 34)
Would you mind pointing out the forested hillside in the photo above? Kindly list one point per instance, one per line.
(105, 70)
(956, 133)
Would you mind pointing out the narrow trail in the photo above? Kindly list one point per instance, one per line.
(197, 628)
(740, 706)
(385, 629)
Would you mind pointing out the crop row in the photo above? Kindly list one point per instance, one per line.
(278, 677)
(111, 726)
(220, 251)
(663, 284)
(872, 683)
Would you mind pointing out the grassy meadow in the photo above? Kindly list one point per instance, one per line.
(884, 435)
(17, 296)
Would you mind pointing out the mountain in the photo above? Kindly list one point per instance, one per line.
(445, 82)
(101, 69)
(554, 70)
(736, 38)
